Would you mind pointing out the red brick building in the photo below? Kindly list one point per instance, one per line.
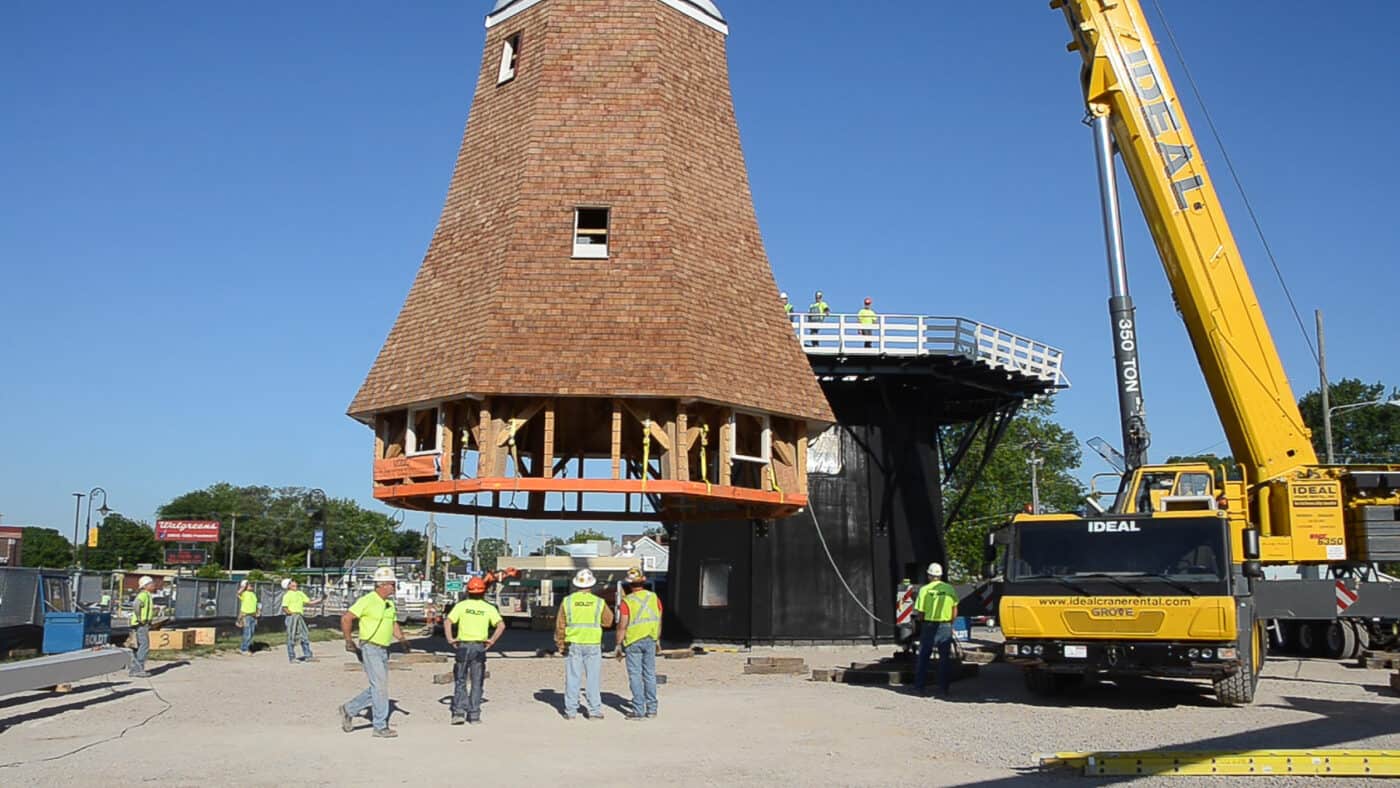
(10, 541)
(595, 314)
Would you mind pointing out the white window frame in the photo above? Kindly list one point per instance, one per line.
(411, 438)
(510, 58)
(648, 563)
(766, 441)
(592, 251)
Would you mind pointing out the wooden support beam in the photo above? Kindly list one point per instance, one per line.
(473, 423)
(669, 459)
(801, 465)
(486, 442)
(519, 421)
(379, 437)
(616, 439)
(683, 444)
(726, 443)
(448, 434)
(547, 465)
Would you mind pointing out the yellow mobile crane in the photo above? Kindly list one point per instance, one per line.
(1170, 581)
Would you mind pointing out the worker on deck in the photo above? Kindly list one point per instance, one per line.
(472, 627)
(294, 602)
(141, 616)
(638, 636)
(787, 304)
(578, 632)
(379, 628)
(817, 312)
(867, 318)
(935, 608)
(248, 612)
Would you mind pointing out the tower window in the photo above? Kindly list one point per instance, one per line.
(510, 54)
(591, 233)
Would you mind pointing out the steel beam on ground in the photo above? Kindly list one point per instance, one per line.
(1273, 763)
(43, 672)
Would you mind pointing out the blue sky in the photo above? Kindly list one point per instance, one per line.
(211, 213)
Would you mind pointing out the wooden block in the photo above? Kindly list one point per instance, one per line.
(824, 674)
(417, 658)
(768, 670)
(787, 661)
(677, 653)
(203, 636)
(171, 639)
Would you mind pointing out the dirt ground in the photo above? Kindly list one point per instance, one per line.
(228, 719)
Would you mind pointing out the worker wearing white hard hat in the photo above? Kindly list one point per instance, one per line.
(141, 616)
(578, 632)
(379, 628)
(787, 303)
(248, 611)
(935, 608)
(294, 602)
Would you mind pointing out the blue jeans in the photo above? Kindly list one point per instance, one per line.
(469, 669)
(297, 633)
(641, 675)
(583, 663)
(930, 635)
(143, 647)
(375, 660)
(250, 623)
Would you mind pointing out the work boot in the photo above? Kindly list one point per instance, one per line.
(347, 723)
(458, 719)
(385, 733)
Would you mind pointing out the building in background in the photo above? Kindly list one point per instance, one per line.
(11, 539)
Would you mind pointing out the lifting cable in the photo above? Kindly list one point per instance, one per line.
(811, 511)
(166, 707)
(1230, 165)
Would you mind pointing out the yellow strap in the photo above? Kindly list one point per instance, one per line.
(646, 453)
(773, 480)
(704, 444)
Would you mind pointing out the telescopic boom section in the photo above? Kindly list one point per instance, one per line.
(1124, 81)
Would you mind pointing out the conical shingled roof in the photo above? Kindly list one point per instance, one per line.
(623, 104)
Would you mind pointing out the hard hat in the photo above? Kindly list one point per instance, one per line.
(286, 584)
(384, 574)
(867, 302)
(819, 294)
(476, 585)
(144, 581)
(935, 569)
(245, 584)
(783, 295)
(635, 575)
(584, 579)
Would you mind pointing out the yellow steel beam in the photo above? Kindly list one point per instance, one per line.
(1332, 763)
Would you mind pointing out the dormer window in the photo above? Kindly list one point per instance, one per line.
(591, 233)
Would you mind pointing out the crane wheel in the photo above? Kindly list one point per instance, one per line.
(1339, 640)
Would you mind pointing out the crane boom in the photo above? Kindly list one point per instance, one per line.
(1125, 82)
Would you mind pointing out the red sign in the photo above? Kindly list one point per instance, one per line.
(185, 557)
(187, 530)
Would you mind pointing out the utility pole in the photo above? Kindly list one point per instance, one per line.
(506, 539)
(432, 542)
(77, 507)
(1035, 462)
(1325, 388)
(476, 540)
(232, 534)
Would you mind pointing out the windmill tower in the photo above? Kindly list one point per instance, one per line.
(595, 332)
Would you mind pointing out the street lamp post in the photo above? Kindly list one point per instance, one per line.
(77, 510)
(102, 510)
(1335, 409)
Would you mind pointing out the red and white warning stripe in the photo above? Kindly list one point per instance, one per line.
(906, 606)
(1345, 597)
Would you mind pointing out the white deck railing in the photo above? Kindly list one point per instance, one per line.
(906, 336)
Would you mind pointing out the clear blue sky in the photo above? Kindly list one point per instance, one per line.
(211, 213)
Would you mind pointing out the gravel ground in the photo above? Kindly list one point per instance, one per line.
(260, 721)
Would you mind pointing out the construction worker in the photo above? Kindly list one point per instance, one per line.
(379, 628)
(472, 628)
(787, 304)
(294, 602)
(578, 632)
(816, 313)
(867, 318)
(248, 612)
(141, 616)
(935, 608)
(638, 636)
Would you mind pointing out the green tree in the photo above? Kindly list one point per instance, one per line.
(1368, 434)
(409, 543)
(1226, 465)
(586, 535)
(210, 572)
(1004, 488)
(45, 547)
(122, 543)
(275, 525)
(490, 551)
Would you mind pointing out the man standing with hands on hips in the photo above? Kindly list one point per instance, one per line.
(379, 628)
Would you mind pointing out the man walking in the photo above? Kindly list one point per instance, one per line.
(379, 628)
(935, 607)
(294, 602)
(867, 318)
(467, 627)
(638, 634)
(578, 632)
(248, 612)
(141, 618)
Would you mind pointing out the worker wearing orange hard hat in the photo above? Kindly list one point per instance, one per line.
(472, 628)
(867, 318)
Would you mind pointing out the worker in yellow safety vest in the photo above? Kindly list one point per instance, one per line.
(248, 612)
(578, 632)
(141, 616)
(935, 607)
(816, 313)
(472, 628)
(638, 637)
(787, 304)
(294, 602)
(867, 318)
(378, 619)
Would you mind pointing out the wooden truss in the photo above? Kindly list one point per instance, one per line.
(577, 458)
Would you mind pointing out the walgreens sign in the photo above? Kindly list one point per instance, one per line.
(187, 530)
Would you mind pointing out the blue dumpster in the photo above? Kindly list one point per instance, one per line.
(65, 632)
